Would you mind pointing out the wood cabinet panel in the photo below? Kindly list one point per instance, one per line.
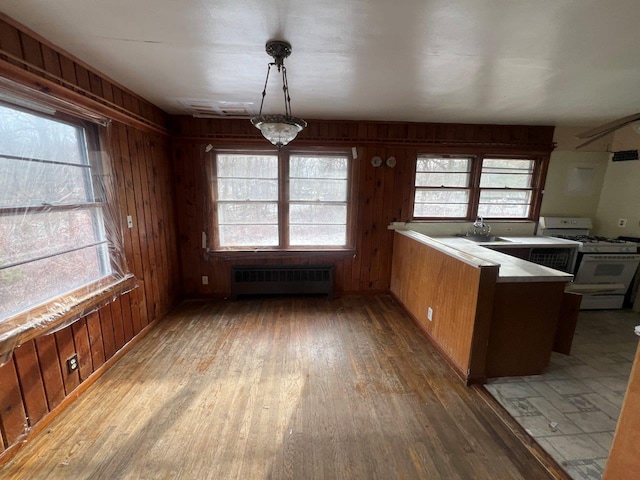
(423, 278)
(523, 327)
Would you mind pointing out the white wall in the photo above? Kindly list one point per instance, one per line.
(574, 182)
(620, 195)
(575, 177)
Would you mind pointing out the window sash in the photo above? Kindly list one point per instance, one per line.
(516, 180)
(53, 224)
(312, 184)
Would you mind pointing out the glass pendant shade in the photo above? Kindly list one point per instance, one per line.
(279, 129)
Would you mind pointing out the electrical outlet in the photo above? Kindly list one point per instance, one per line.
(430, 314)
(622, 222)
(205, 280)
(72, 363)
(129, 221)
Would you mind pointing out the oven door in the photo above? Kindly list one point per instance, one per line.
(614, 270)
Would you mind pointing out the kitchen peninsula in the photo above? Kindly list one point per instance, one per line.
(490, 314)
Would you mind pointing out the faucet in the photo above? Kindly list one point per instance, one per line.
(479, 227)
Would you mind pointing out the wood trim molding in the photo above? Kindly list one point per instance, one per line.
(59, 88)
(523, 139)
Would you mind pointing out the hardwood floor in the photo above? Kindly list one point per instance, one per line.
(279, 388)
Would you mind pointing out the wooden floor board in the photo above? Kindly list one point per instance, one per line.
(279, 388)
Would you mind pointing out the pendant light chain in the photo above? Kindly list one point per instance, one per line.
(285, 90)
(264, 92)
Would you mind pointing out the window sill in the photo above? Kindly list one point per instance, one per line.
(59, 312)
(254, 254)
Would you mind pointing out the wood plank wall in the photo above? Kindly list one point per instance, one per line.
(460, 295)
(35, 380)
(383, 194)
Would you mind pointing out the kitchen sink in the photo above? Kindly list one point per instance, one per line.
(486, 239)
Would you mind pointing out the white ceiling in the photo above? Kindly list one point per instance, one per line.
(554, 62)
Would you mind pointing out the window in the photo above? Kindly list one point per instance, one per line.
(52, 234)
(281, 201)
(442, 187)
(462, 187)
(506, 188)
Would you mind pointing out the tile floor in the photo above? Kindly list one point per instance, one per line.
(572, 409)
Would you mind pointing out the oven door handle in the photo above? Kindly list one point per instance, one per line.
(594, 288)
(608, 257)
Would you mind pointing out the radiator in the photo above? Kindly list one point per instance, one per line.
(281, 279)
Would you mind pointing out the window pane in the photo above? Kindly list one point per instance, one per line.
(29, 184)
(26, 285)
(246, 166)
(436, 179)
(317, 214)
(318, 167)
(451, 210)
(513, 173)
(427, 163)
(504, 203)
(248, 213)
(248, 235)
(503, 211)
(33, 235)
(317, 235)
(440, 203)
(318, 179)
(318, 190)
(442, 196)
(26, 135)
(247, 189)
(45, 250)
(252, 219)
(442, 173)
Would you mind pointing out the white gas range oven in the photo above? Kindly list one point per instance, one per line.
(605, 266)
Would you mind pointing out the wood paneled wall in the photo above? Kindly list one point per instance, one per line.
(35, 381)
(379, 201)
(460, 295)
(383, 194)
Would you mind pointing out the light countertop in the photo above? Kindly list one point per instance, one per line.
(512, 269)
(526, 242)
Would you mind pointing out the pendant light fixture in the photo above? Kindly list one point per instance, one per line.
(278, 129)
